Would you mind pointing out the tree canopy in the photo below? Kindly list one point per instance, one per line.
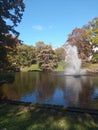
(92, 31)
(11, 12)
(79, 38)
(60, 53)
(40, 45)
(22, 55)
(47, 59)
(86, 39)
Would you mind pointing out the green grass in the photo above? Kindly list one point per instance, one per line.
(35, 67)
(21, 117)
(91, 67)
(61, 66)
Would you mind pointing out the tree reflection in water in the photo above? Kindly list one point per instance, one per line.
(52, 89)
(45, 87)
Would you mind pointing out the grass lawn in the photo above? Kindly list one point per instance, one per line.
(35, 67)
(91, 67)
(61, 66)
(20, 117)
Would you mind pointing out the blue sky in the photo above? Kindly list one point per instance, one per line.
(51, 21)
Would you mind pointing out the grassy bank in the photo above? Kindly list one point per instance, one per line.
(91, 67)
(31, 117)
(35, 67)
(61, 66)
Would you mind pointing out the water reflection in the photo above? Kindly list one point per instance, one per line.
(72, 90)
(52, 89)
(78, 91)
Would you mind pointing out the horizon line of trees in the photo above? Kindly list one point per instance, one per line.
(41, 54)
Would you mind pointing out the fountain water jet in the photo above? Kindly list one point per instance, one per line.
(73, 61)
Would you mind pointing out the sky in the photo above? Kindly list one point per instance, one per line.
(51, 21)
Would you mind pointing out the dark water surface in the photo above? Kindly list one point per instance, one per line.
(53, 88)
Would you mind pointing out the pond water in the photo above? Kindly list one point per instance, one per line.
(53, 88)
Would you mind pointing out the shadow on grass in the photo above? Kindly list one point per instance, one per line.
(13, 117)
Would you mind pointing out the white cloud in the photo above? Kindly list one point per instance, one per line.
(37, 27)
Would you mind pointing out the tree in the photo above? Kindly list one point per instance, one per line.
(92, 31)
(47, 59)
(3, 58)
(23, 55)
(11, 10)
(7, 48)
(40, 45)
(79, 38)
(60, 53)
(95, 58)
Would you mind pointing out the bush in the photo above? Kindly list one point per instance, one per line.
(95, 58)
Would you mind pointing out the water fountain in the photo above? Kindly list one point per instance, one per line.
(73, 66)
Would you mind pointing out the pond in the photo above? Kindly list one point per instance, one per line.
(53, 88)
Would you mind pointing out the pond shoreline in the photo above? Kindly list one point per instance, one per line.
(56, 108)
(57, 91)
(8, 80)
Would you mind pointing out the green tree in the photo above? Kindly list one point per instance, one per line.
(3, 58)
(95, 57)
(5, 49)
(92, 31)
(23, 55)
(60, 53)
(47, 59)
(11, 10)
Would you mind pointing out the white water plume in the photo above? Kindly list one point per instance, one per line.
(73, 61)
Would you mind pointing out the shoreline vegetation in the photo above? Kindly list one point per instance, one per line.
(7, 77)
(35, 67)
(61, 66)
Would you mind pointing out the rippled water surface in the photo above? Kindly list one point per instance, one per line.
(53, 88)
